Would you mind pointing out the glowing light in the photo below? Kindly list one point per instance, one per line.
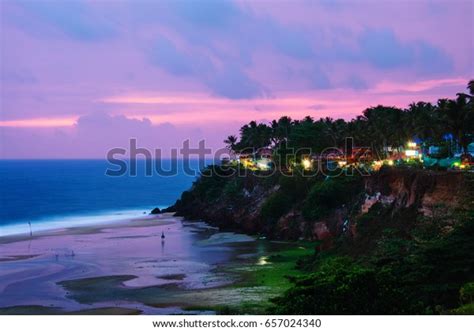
(342, 163)
(263, 260)
(411, 144)
(263, 165)
(411, 153)
(390, 162)
(306, 164)
(376, 165)
(246, 163)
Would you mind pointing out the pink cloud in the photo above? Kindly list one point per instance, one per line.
(156, 66)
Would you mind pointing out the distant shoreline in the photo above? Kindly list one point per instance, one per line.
(156, 264)
(58, 222)
(143, 221)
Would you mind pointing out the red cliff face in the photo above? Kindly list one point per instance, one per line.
(420, 189)
(396, 189)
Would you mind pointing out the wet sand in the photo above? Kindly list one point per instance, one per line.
(125, 267)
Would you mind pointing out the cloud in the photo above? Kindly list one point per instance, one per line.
(16, 76)
(433, 60)
(289, 41)
(209, 47)
(73, 18)
(356, 82)
(100, 132)
(382, 49)
(319, 79)
(169, 58)
(317, 107)
(233, 83)
(206, 13)
(212, 63)
(117, 123)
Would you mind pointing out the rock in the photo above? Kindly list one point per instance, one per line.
(322, 233)
(155, 211)
(170, 209)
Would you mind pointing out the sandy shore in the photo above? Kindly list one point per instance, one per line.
(125, 268)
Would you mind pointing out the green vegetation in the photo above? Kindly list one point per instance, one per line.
(389, 260)
(260, 280)
(329, 194)
(379, 128)
(277, 205)
(402, 275)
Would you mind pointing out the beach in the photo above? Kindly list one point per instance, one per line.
(125, 267)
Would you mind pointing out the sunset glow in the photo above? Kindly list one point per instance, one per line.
(137, 68)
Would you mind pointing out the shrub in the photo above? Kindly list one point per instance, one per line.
(295, 187)
(328, 194)
(339, 286)
(277, 205)
(233, 190)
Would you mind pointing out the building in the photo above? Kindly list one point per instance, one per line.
(262, 159)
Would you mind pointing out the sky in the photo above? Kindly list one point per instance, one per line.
(78, 78)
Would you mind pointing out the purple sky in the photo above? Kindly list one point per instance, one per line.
(81, 77)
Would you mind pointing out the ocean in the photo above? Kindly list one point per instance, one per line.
(65, 193)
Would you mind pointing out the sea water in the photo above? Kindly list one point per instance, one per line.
(64, 193)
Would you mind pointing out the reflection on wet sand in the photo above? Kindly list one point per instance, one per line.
(127, 266)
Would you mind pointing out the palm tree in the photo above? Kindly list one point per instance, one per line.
(231, 143)
(280, 130)
(459, 118)
(470, 87)
(423, 121)
(336, 129)
(255, 136)
(385, 127)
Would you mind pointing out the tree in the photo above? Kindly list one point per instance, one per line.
(423, 121)
(385, 127)
(231, 142)
(281, 130)
(307, 134)
(254, 136)
(336, 130)
(458, 115)
(470, 87)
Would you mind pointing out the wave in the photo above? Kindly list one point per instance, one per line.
(58, 222)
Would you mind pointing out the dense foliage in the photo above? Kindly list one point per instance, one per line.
(378, 127)
(398, 261)
(330, 193)
(403, 275)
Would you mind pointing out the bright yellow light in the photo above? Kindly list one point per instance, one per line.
(411, 144)
(263, 260)
(342, 163)
(306, 164)
(390, 162)
(247, 163)
(376, 165)
(462, 166)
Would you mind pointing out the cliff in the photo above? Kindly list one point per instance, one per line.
(315, 208)
(399, 240)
